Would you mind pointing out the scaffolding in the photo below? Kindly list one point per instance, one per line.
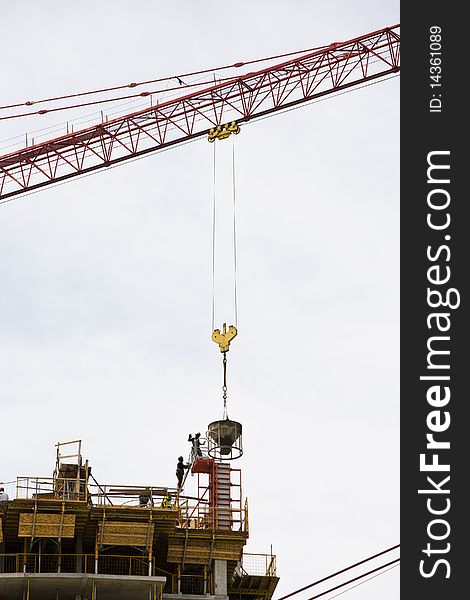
(218, 504)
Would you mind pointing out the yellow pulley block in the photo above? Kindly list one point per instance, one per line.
(224, 338)
(222, 132)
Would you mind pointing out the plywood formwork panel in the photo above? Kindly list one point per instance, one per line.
(202, 549)
(126, 533)
(165, 520)
(52, 525)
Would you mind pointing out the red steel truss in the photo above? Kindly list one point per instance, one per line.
(247, 96)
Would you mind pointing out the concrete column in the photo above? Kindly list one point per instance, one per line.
(79, 552)
(2, 558)
(220, 577)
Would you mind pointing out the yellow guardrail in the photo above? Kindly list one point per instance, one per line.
(112, 564)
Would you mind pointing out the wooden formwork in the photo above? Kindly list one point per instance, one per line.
(200, 547)
(51, 525)
(125, 533)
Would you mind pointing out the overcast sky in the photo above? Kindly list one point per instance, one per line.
(105, 304)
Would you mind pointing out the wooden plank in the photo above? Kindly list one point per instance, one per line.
(46, 525)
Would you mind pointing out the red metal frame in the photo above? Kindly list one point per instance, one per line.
(248, 96)
(206, 512)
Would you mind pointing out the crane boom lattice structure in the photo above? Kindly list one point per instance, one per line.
(248, 96)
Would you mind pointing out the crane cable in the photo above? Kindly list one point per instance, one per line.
(234, 235)
(235, 299)
(145, 94)
(178, 78)
(224, 387)
(214, 238)
(121, 98)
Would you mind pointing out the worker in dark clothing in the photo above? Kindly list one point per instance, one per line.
(145, 498)
(180, 467)
(196, 448)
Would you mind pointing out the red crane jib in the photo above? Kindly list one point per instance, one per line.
(245, 97)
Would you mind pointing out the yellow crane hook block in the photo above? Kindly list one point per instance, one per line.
(224, 338)
(222, 132)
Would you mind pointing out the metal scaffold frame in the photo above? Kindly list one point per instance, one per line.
(208, 512)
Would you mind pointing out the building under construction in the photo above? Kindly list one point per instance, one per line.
(70, 537)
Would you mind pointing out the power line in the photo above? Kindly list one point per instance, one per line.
(363, 582)
(361, 562)
(337, 587)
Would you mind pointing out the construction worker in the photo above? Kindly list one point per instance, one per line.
(145, 497)
(196, 449)
(3, 495)
(166, 502)
(180, 467)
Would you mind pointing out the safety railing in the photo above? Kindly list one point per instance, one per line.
(201, 584)
(198, 584)
(203, 516)
(47, 488)
(91, 492)
(198, 514)
(258, 564)
(135, 496)
(11, 563)
(75, 563)
(192, 584)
